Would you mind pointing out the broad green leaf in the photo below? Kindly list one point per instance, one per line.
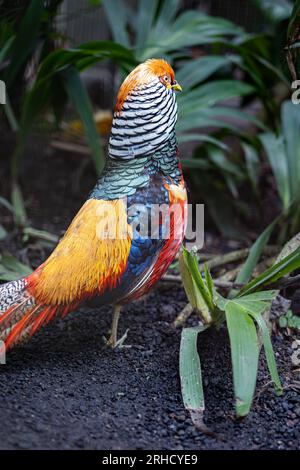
(211, 93)
(202, 138)
(189, 29)
(214, 116)
(190, 374)
(244, 355)
(196, 71)
(81, 101)
(257, 302)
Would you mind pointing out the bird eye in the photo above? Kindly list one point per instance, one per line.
(166, 78)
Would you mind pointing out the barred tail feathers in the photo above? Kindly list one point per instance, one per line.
(20, 315)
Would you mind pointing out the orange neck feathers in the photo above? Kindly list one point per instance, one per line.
(142, 75)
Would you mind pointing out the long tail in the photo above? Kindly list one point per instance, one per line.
(20, 315)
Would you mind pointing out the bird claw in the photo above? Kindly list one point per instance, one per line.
(113, 343)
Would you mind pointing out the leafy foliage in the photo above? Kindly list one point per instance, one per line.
(242, 312)
(11, 269)
(289, 320)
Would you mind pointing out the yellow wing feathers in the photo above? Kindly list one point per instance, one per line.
(89, 259)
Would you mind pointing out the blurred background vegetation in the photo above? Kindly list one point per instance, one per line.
(238, 130)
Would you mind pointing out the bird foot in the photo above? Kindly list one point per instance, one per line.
(114, 343)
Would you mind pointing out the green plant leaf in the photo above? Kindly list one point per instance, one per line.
(294, 23)
(211, 93)
(24, 39)
(256, 302)
(6, 48)
(3, 233)
(287, 265)
(182, 138)
(244, 355)
(290, 117)
(11, 269)
(117, 13)
(19, 211)
(193, 293)
(209, 281)
(275, 150)
(252, 165)
(190, 374)
(270, 357)
(274, 10)
(254, 254)
(146, 15)
(4, 202)
(81, 101)
(196, 71)
(192, 264)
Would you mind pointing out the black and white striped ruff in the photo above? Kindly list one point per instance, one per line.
(146, 122)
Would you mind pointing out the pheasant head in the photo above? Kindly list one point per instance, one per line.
(146, 111)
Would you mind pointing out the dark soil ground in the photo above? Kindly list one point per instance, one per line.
(65, 390)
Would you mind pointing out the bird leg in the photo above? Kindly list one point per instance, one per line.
(112, 341)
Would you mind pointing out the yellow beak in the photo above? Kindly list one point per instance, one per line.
(176, 87)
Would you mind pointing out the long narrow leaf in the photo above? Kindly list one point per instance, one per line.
(81, 101)
(145, 20)
(25, 38)
(17, 200)
(294, 23)
(290, 117)
(270, 357)
(196, 71)
(117, 14)
(193, 293)
(11, 268)
(244, 356)
(190, 374)
(254, 254)
(289, 264)
(192, 264)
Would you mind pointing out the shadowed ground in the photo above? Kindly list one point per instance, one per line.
(65, 390)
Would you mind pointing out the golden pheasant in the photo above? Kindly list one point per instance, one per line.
(111, 250)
